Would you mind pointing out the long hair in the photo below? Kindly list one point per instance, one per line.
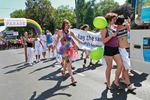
(65, 22)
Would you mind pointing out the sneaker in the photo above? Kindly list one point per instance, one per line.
(39, 60)
(131, 87)
(123, 81)
(36, 60)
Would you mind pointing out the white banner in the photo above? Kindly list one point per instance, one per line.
(15, 22)
(93, 39)
(15, 33)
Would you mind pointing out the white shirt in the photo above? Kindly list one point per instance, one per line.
(54, 38)
(37, 43)
(43, 38)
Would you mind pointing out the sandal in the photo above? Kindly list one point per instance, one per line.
(63, 74)
(117, 87)
(73, 81)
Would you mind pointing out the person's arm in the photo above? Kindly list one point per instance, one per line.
(128, 27)
(28, 40)
(41, 44)
(129, 21)
(50, 36)
(103, 35)
(72, 34)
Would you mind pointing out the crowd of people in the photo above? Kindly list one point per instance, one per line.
(10, 43)
(114, 38)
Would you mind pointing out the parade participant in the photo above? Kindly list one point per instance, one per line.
(122, 33)
(66, 49)
(15, 43)
(85, 27)
(43, 39)
(37, 43)
(49, 42)
(111, 51)
(25, 45)
(54, 38)
(30, 48)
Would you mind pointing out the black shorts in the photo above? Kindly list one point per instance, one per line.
(110, 51)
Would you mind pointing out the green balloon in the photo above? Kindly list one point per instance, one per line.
(100, 22)
(96, 53)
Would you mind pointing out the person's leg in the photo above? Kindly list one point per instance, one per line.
(49, 51)
(109, 60)
(119, 63)
(85, 59)
(31, 55)
(64, 68)
(68, 61)
(122, 76)
(91, 62)
(82, 53)
(25, 50)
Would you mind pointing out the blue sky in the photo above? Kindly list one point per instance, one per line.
(7, 8)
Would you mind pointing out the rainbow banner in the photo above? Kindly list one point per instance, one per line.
(20, 22)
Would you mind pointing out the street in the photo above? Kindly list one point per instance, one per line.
(44, 81)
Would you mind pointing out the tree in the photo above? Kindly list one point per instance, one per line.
(123, 10)
(128, 1)
(90, 13)
(42, 12)
(104, 7)
(64, 12)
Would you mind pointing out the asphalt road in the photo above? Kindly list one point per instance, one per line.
(43, 81)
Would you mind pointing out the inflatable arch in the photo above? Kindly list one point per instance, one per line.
(21, 22)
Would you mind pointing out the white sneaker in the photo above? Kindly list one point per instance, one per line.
(123, 81)
(39, 60)
(30, 64)
(36, 60)
(131, 87)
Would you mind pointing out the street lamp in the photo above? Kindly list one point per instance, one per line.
(77, 25)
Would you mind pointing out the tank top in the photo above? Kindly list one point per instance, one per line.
(113, 42)
(48, 39)
(123, 32)
(29, 44)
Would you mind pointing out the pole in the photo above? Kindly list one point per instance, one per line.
(77, 25)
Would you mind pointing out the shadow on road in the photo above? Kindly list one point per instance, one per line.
(116, 95)
(13, 65)
(137, 78)
(19, 68)
(52, 91)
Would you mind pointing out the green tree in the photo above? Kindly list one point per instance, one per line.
(90, 13)
(128, 1)
(104, 7)
(81, 7)
(42, 12)
(64, 12)
(123, 10)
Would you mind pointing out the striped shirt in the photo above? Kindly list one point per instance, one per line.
(123, 32)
